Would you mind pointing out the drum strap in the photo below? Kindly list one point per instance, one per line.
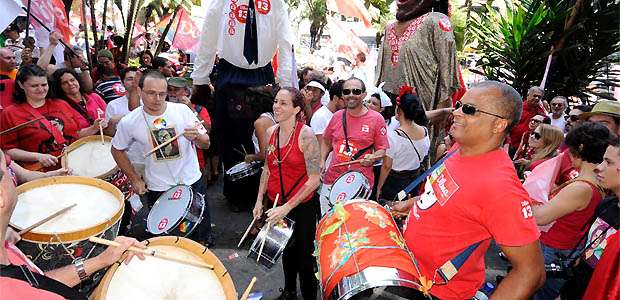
(403, 194)
(449, 269)
(346, 139)
(39, 281)
(58, 137)
(285, 195)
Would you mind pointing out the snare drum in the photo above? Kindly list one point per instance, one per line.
(243, 170)
(154, 278)
(61, 240)
(276, 241)
(178, 211)
(362, 255)
(90, 158)
(350, 185)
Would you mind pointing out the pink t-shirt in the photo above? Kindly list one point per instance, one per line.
(95, 108)
(460, 207)
(363, 131)
(13, 289)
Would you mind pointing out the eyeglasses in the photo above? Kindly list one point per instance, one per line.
(536, 135)
(471, 110)
(574, 118)
(536, 121)
(154, 94)
(556, 104)
(355, 92)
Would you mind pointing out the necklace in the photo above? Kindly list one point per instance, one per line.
(278, 161)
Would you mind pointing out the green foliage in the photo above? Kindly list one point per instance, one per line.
(316, 13)
(514, 47)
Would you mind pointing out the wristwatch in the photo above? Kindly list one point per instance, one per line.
(79, 268)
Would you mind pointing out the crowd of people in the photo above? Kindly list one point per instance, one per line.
(305, 138)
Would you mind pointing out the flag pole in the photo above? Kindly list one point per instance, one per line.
(27, 21)
(86, 43)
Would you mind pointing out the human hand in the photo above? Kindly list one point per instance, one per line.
(521, 161)
(402, 207)
(59, 172)
(102, 122)
(54, 38)
(274, 215)
(191, 133)
(368, 160)
(114, 254)
(257, 212)
(47, 160)
(139, 186)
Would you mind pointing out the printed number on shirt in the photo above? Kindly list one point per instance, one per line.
(526, 209)
(263, 6)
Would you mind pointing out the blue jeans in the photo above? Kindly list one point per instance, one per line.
(553, 285)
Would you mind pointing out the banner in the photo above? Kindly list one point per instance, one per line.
(52, 14)
(347, 43)
(187, 33)
(351, 8)
(10, 10)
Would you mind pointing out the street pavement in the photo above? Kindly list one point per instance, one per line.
(230, 226)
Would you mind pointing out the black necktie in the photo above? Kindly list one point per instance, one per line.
(250, 41)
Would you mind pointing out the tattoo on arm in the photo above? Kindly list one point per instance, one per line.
(264, 176)
(311, 150)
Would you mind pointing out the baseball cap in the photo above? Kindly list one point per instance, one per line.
(603, 107)
(178, 82)
(316, 85)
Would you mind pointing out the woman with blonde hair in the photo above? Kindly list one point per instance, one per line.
(544, 141)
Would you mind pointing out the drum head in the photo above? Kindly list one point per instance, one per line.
(238, 168)
(169, 209)
(89, 157)
(347, 187)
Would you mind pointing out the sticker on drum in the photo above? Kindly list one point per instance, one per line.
(350, 185)
(275, 242)
(178, 205)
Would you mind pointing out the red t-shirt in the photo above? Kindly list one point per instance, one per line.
(13, 289)
(460, 207)
(523, 125)
(95, 108)
(35, 137)
(566, 171)
(293, 167)
(204, 114)
(363, 131)
(6, 93)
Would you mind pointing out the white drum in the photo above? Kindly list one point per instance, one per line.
(350, 185)
(155, 278)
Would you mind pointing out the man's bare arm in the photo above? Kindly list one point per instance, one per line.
(527, 274)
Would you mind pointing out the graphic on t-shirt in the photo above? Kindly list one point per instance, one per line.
(50, 145)
(439, 187)
(119, 89)
(342, 152)
(160, 123)
(170, 151)
(600, 231)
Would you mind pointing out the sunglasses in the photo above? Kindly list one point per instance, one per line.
(471, 110)
(536, 135)
(573, 118)
(355, 92)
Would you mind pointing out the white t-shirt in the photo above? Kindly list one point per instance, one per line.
(559, 123)
(402, 153)
(120, 106)
(177, 163)
(320, 119)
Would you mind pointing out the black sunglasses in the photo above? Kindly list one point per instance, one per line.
(471, 110)
(537, 135)
(355, 92)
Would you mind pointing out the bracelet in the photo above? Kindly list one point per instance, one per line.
(79, 268)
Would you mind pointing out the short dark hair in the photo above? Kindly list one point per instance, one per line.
(359, 80)
(583, 108)
(588, 141)
(151, 74)
(510, 104)
(24, 73)
(336, 89)
(413, 109)
(124, 72)
(298, 100)
(56, 85)
(614, 141)
(159, 62)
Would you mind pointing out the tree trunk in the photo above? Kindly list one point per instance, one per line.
(163, 35)
(86, 44)
(93, 23)
(128, 29)
(105, 11)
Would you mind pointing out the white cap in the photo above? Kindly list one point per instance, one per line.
(316, 85)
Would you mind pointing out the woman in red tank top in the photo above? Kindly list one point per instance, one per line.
(572, 206)
(292, 171)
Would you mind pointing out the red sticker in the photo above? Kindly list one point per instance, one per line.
(341, 196)
(444, 24)
(350, 178)
(162, 224)
(177, 194)
(443, 185)
(241, 13)
(263, 6)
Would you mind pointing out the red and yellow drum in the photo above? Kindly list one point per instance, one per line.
(362, 253)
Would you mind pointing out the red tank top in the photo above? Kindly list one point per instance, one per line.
(568, 230)
(293, 167)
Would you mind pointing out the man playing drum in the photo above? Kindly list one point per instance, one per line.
(155, 122)
(472, 197)
(352, 133)
(21, 279)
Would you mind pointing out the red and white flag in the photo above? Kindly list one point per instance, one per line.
(347, 43)
(351, 8)
(187, 33)
(52, 14)
(10, 10)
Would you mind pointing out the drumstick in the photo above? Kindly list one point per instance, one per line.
(235, 149)
(243, 148)
(16, 127)
(151, 252)
(357, 161)
(101, 133)
(262, 245)
(246, 232)
(46, 219)
(248, 289)
(166, 143)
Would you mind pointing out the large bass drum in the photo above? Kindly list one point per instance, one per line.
(362, 255)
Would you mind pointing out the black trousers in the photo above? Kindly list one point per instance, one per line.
(203, 232)
(297, 258)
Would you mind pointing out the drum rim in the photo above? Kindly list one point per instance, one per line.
(342, 175)
(185, 211)
(77, 235)
(186, 244)
(83, 141)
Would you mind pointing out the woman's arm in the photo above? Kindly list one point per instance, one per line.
(260, 127)
(573, 197)
(385, 171)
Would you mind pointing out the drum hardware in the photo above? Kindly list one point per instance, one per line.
(151, 252)
(275, 239)
(262, 244)
(46, 219)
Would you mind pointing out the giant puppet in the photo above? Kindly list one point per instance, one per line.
(418, 50)
(245, 35)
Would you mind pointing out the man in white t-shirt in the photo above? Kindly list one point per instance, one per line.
(323, 115)
(154, 123)
(557, 114)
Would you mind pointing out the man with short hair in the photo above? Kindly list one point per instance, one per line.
(531, 106)
(353, 133)
(313, 92)
(106, 66)
(557, 114)
(323, 115)
(606, 112)
(574, 116)
(450, 226)
(164, 66)
(8, 65)
(152, 124)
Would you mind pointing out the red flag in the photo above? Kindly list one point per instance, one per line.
(350, 8)
(52, 14)
(187, 33)
(347, 43)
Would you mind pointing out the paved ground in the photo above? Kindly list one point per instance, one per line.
(229, 228)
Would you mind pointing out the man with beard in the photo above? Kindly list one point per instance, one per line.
(109, 85)
(419, 50)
